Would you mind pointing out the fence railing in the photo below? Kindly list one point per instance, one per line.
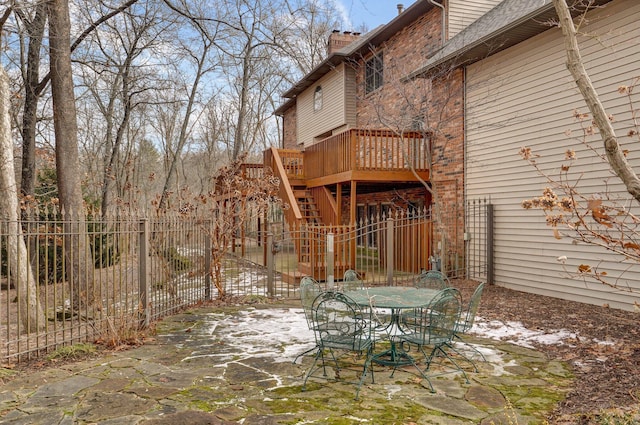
(365, 150)
(138, 270)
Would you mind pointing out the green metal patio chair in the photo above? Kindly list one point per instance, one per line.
(341, 328)
(351, 281)
(432, 279)
(427, 280)
(434, 330)
(309, 290)
(466, 321)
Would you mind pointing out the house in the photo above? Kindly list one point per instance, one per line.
(361, 142)
(465, 90)
(519, 93)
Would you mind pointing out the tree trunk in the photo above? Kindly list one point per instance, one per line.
(30, 311)
(67, 165)
(616, 158)
(35, 29)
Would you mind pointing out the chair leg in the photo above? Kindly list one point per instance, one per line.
(335, 360)
(313, 365)
(303, 353)
(424, 375)
(464, 357)
(451, 359)
(367, 365)
(459, 338)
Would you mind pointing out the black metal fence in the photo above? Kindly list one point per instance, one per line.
(122, 273)
(479, 240)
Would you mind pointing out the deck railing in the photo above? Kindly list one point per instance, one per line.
(366, 150)
(252, 171)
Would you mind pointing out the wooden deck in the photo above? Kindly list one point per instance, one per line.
(315, 181)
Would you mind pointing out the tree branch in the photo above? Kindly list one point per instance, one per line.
(575, 65)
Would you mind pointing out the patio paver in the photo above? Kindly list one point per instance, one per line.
(233, 365)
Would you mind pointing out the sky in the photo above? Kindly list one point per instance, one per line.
(370, 12)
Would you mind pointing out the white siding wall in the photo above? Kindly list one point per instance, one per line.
(314, 123)
(524, 96)
(464, 12)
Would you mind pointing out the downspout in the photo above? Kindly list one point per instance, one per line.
(442, 40)
(282, 143)
(443, 29)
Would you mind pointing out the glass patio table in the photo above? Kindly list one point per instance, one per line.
(396, 299)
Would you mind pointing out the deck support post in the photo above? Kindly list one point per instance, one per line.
(330, 262)
(390, 253)
(270, 251)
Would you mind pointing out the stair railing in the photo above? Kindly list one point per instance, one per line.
(293, 214)
(326, 204)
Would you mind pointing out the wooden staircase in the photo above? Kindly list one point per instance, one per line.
(308, 228)
(307, 205)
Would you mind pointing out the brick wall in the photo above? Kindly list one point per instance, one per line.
(434, 105)
(338, 40)
(290, 140)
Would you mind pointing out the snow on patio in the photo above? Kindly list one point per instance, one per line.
(282, 334)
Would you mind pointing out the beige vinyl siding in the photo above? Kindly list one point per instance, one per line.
(311, 123)
(463, 12)
(350, 95)
(524, 96)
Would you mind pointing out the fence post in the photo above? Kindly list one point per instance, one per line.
(269, 249)
(207, 265)
(390, 252)
(143, 266)
(330, 262)
(489, 249)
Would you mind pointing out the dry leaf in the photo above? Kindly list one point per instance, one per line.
(593, 204)
(584, 268)
(632, 245)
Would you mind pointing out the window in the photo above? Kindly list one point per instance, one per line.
(373, 78)
(317, 99)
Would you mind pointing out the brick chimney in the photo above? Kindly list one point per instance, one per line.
(338, 40)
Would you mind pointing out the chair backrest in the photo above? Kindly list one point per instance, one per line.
(468, 317)
(309, 291)
(431, 280)
(443, 316)
(340, 323)
(351, 281)
(438, 273)
(437, 322)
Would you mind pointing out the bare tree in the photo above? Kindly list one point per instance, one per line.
(614, 153)
(305, 44)
(34, 16)
(30, 311)
(251, 53)
(117, 82)
(35, 26)
(203, 37)
(67, 165)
